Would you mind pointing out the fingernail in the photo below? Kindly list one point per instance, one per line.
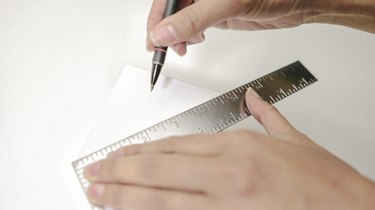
(92, 170)
(163, 35)
(95, 192)
(176, 48)
(252, 92)
(196, 39)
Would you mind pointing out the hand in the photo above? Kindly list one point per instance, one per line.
(188, 25)
(230, 170)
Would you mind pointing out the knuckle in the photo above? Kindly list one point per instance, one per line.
(240, 139)
(106, 168)
(242, 142)
(134, 149)
(190, 22)
(142, 169)
(151, 20)
(245, 134)
(113, 169)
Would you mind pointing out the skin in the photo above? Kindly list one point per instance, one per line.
(240, 169)
(187, 26)
(230, 170)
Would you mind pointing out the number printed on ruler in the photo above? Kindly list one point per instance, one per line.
(211, 116)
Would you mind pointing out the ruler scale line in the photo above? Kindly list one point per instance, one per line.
(211, 116)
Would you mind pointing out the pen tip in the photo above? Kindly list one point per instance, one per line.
(152, 87)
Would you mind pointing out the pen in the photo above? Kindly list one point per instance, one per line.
(161, 52)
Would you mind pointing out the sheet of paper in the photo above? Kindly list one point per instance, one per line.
(132, 107)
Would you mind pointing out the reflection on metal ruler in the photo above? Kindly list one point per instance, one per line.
(211, 116)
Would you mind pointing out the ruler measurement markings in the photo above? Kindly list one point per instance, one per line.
(282, 91)
(130, 140)
(123, 142)
(221, 100)
(273, 100)
(212, 116)
(163, 126)
(150, 129)
(198, 111)
(235, 94)
(115, 146)
(233, 117)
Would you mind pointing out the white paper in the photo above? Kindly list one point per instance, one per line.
(132, 107)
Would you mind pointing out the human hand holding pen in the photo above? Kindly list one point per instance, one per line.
(188, 25)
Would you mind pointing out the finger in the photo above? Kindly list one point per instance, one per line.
(190, 21)
(237, 24)
(117, 196)
(275, 124)
(168, 171)
(180, 49)
(198, 38)
(156, 15)
(197, 145)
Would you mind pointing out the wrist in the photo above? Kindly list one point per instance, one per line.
(359, 14)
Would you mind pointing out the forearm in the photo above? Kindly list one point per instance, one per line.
(359, 14)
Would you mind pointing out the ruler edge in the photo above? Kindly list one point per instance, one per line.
(291, 64)
(74, 163)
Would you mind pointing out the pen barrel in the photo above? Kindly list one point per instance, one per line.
(170, 8)
(159, 55)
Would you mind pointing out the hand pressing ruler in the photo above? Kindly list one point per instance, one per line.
(211, 116)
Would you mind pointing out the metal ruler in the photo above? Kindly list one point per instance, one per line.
(211, 116)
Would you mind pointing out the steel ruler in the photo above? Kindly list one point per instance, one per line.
(213, 115)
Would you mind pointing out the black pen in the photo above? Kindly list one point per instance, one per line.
(161, 52)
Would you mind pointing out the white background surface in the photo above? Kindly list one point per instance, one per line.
(132, 108)
(122, 117)
(60, 59)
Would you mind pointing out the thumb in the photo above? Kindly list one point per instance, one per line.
(272, 120)
(190, 21)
